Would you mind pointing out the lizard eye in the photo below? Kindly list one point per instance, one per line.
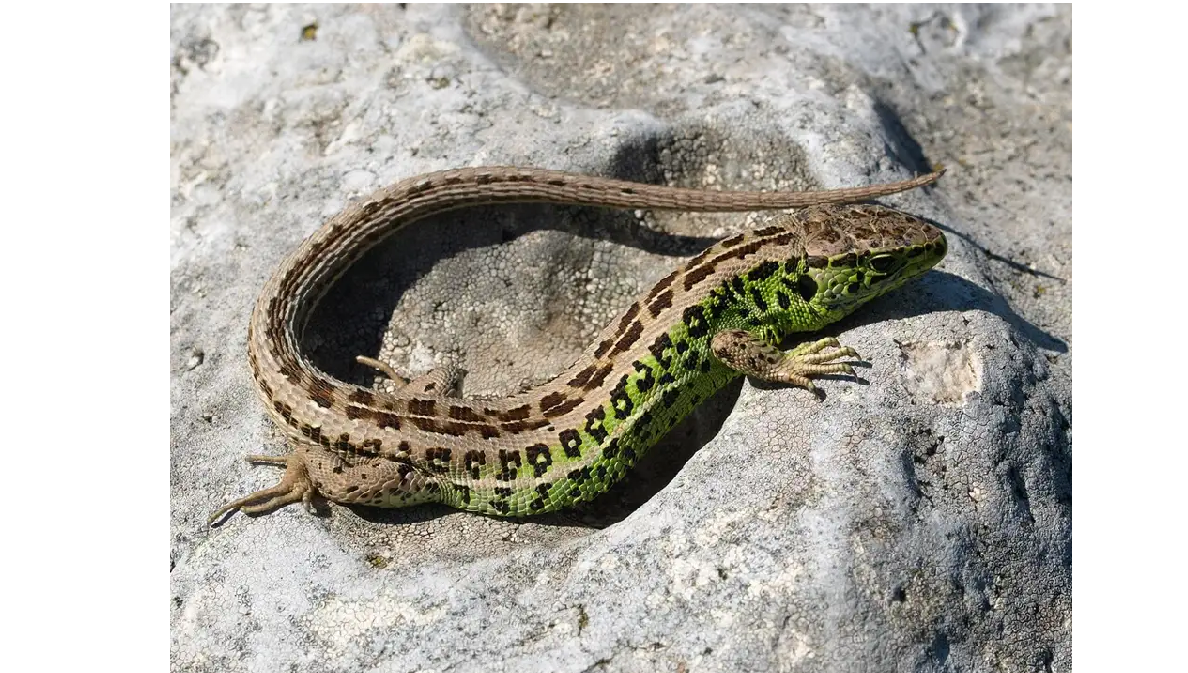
(884, 263)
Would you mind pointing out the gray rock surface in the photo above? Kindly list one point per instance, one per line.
(920, 520)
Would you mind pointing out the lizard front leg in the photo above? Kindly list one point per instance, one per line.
(753, 356)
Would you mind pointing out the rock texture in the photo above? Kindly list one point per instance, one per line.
(920, 520)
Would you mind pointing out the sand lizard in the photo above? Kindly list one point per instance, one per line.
(718, 316)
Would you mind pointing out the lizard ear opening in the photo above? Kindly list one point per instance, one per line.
(806, 287)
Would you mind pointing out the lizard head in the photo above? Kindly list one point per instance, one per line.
(857, 253)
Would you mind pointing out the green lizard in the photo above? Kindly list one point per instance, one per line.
(719, 316)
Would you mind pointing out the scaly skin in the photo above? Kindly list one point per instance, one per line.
(719, 316)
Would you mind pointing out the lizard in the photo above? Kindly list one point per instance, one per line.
(722, 314)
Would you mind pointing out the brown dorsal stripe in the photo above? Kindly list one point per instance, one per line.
(630, 315)
(464, 413)
(364, 397)
(291, 371)
(697, 260)
(563, 408)
(660, 302)
(733, 240)
(629, 338)
(583, 377)
(517, 414)
(599, 376)
(695, 276)
(551, 400)
(661, 285)
(422, 407)
(321, 393)
(603, 348)
(516, 427)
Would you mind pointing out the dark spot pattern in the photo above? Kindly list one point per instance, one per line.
(360, 396)
(629, 338)
(509, 465)
(563, 408)
(763, 271)
(661, 344)
(321, 395)
(661, 285)
(539, 458)
(611, 449)
(661, 302)
(806, 287)
(694, 317)
(583, 377)
(630, 315)
(438, 459)
(463, 413)
(847, 260)
(671, 396)
(603, 348)
(757, 298)
(517, 414)
(642, 422)
(695, 276)
(571, 442)
(645, 382)
(594, 426)
(422, 407)
(621, 402)
(599, 376)
(543, 491)
(516, 427)
(551, 400)
(474, 461)
(386, 420)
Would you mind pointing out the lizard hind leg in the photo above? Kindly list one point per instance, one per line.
(294, 486)
(754, 356)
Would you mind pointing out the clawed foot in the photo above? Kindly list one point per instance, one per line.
(752, 356)
(294, 486)
(807, 360)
